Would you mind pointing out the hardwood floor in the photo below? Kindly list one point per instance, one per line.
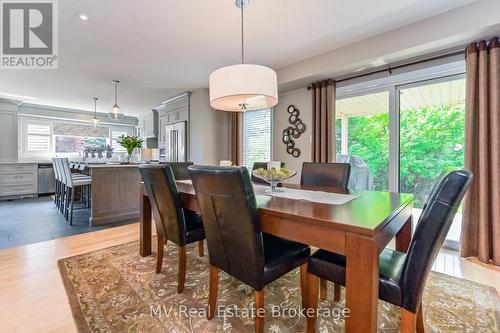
(33, 298)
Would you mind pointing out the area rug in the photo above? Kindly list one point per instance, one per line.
(116, 290)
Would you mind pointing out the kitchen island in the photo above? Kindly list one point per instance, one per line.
(115, 191)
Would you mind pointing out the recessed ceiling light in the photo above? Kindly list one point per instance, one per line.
(83, 17)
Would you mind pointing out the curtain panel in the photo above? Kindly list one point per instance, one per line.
(236, 137)
(323, 121)
(481, 225)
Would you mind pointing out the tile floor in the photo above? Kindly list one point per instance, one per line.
(28, 221)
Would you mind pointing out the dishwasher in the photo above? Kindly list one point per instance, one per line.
(46, 179)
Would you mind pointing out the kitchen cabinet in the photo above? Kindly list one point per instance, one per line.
(18, 180)
(8, 136)
(150, 124)
(162, 122)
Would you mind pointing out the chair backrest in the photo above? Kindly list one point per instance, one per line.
(263, 165)
(66, 172)
(230, 218)
(55, 166)
(326, 175)
(179, 169)
(165, 201)
(430, 234)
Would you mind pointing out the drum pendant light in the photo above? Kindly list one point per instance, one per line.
(243, 87)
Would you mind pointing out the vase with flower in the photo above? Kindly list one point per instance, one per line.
(130, 143)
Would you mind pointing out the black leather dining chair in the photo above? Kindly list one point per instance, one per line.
(330, 177)
(324, 175)
(179, 169)
(402, 275)
(235, 242)
(258, 165)
(173, 222)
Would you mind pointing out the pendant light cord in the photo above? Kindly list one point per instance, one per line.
(242, 38)
(116, 92)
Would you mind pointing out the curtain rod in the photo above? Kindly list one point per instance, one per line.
(390, 68)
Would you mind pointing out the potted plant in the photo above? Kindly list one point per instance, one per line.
(130, 143)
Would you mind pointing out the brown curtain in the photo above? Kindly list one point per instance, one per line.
(235, 125)
(481, 225)
(323, 111)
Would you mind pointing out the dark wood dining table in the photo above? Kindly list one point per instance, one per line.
(359, 230)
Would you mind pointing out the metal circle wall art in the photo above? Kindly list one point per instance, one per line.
(293, 132)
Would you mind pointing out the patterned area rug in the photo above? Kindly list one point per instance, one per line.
(116, 290)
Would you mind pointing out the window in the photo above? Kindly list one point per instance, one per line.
(65, 144)
(362, 133)
(43, 138)
(37, 139)
(114, 141)
(256, 137)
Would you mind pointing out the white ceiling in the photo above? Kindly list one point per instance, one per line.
(160, 47)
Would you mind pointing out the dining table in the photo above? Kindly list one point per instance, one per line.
(358, 229)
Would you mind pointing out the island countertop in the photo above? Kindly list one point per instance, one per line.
(102, 166)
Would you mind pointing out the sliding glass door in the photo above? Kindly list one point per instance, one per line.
(432, 124)
(402, 132)
(362, 128)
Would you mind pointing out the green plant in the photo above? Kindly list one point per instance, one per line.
(431, 141)
(130, 143)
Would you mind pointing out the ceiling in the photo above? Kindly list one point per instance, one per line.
(158, 48)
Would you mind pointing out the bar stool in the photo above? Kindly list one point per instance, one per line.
(61, 197)
(72, 183)
(58, 182)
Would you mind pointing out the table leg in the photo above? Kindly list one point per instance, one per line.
(362, 278)
(145, 224)
(403, 237)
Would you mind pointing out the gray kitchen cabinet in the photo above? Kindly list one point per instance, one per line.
(150, 126)
(18, 180)
(162, 122)
(8, 136)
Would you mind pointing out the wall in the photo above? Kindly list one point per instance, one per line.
(302, 100)
(209, 130)
(8, 131)
(451, 30)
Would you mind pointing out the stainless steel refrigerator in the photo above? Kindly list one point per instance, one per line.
(175, 142)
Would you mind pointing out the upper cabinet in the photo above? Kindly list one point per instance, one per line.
(150, 125)
(171, 111)
(162, 122)
(8, 136)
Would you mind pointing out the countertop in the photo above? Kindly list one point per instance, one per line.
(98, 166)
